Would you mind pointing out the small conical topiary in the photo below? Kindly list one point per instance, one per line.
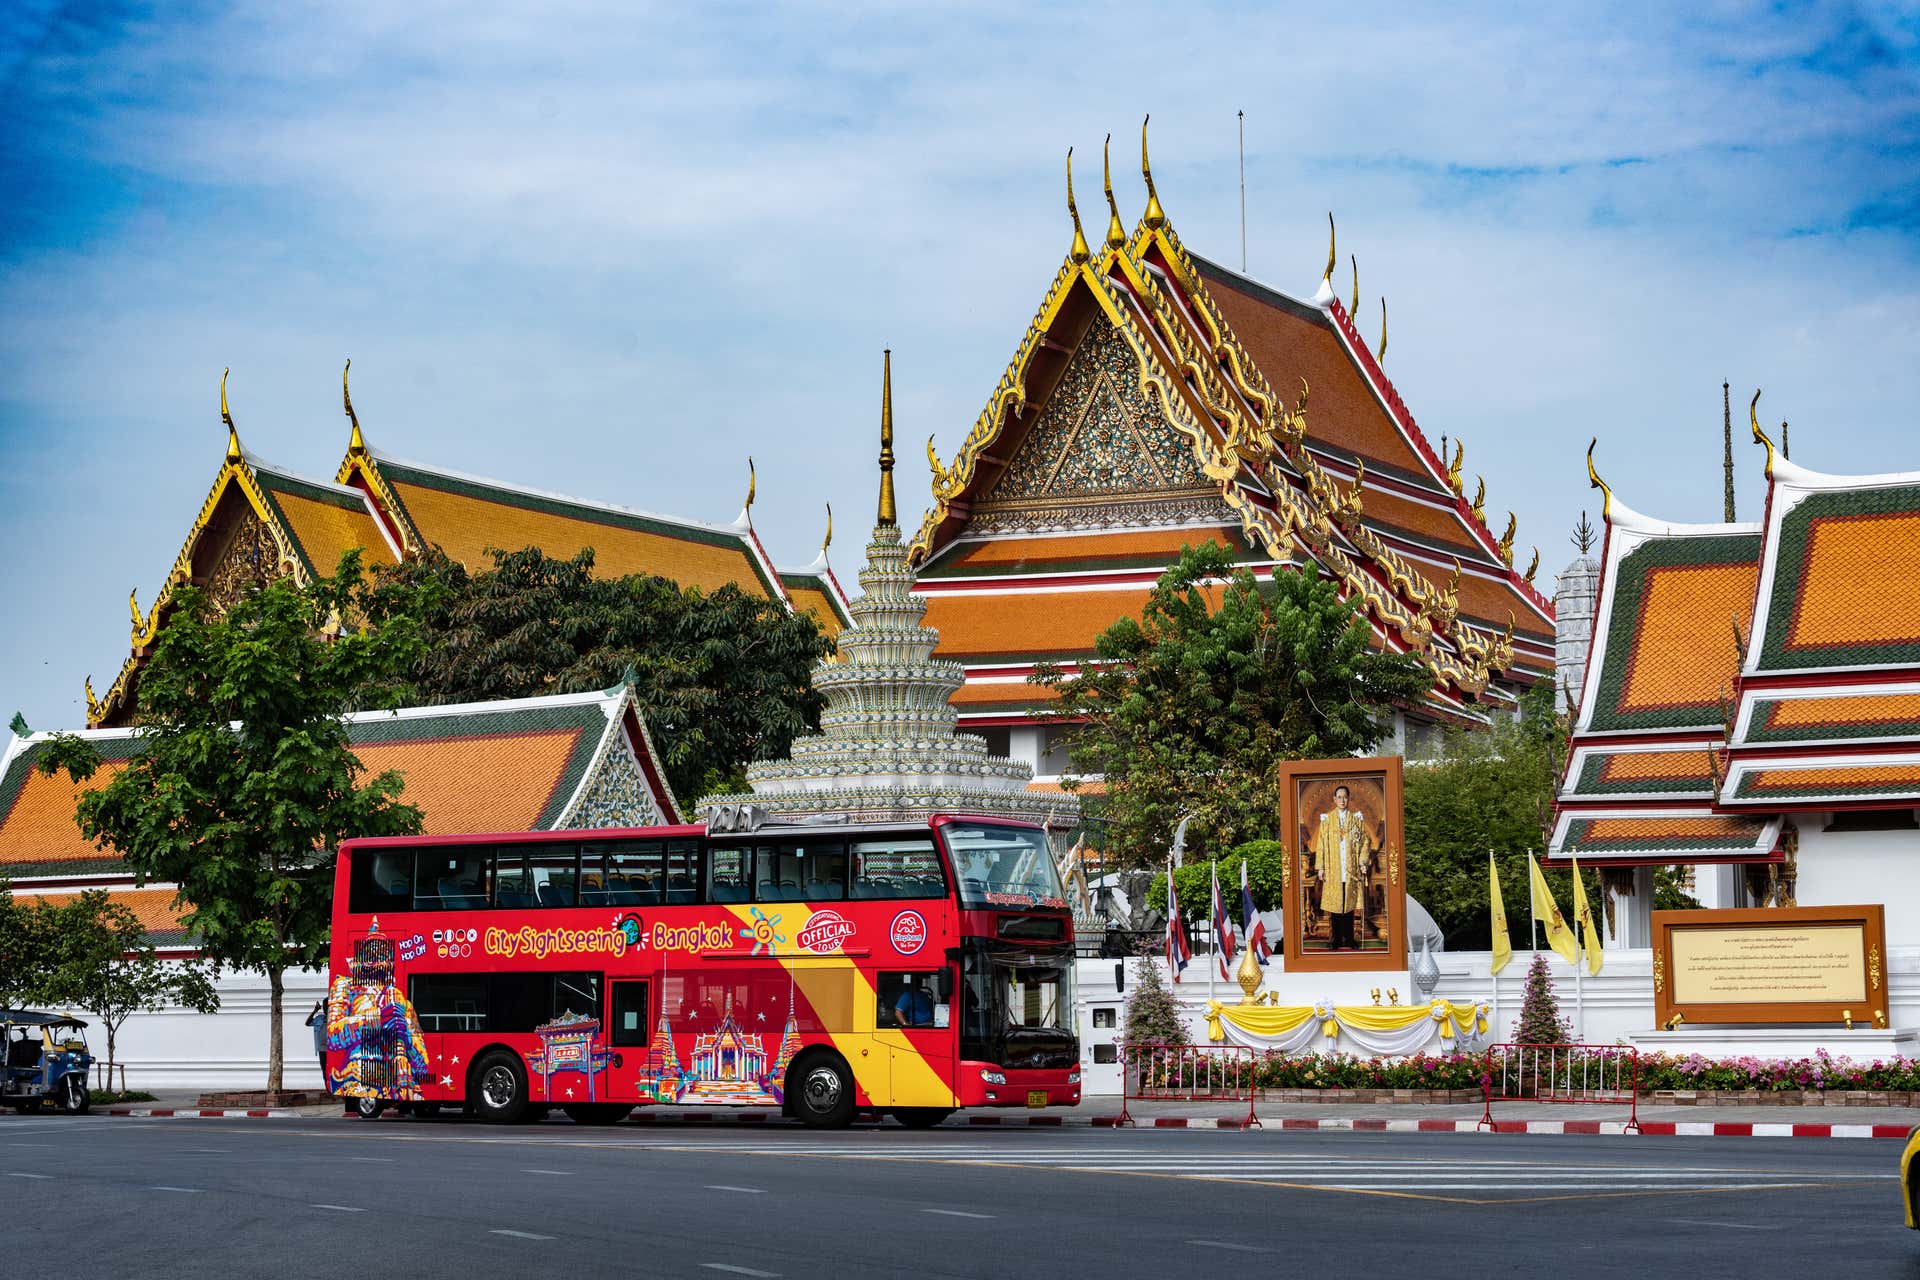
(1540, 1020)
(1153, 1016)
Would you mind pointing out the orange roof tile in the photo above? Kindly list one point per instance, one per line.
(1852, 560)
(1683, 653)
(1013, 555)
(326, 532)
(1383, 507)
(814, 601)
(976, 696)
(153, 907)
(39, 828)
(1030, 625)
(481, 783)
(1843, 782)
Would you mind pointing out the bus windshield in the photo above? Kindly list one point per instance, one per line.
(1002, 866)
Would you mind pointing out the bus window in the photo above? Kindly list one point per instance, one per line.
(635, 873)
(897, 867)
(554, 871)
(683, 871)
(576, 995)
(729, 867)
(511, 887)
(380, 880)
(801, 871)
(520, 1002)
(629, 1004)
(451, 879)
(450, 1001)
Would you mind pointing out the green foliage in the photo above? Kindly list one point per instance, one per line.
(723, 677)
(1192, 705)
(104, 962)
(1670, 885)
(1540, 1021)
(1489, 788)
(1266, 865)
(25, 952)
(1153, 1016)
(245, 784)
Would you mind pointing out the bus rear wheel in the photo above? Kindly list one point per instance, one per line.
(822, 1091)
(921, 1117)
(499, 1093)
(369, 1108)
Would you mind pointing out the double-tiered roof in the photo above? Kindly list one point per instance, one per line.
(1143, 411)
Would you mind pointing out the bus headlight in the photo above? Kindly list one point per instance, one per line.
(1073, 1077)
(994, 1077)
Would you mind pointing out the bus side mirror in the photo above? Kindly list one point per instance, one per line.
(943, 986)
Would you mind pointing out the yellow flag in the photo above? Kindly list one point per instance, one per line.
(1547, 912)
(1589, 936)
(1502, 944)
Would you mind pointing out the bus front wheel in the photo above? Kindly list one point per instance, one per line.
(499, 1094)
(822, 1091)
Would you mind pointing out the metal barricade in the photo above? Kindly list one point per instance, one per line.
(1603, 1073)
(1187, 1073)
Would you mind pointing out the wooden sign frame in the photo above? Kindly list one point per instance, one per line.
(1871, 1010)
(1379, 776)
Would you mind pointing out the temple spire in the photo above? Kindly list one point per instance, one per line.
(1080, 251)
(355, 444)
(1726, 431)
(1116, 234)
(887, 518)
(1155, 217)
(233, 436)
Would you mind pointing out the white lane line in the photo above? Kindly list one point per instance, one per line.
(749, 1191)
(371, 1159)
(518, 1235)
(41, 1177)
(205, 1151)
(957, 1213)
(1222, 1244)
(551, 1173)
(340, 1208)
(1731, 1226)
(732, 1270)
(185, 1191)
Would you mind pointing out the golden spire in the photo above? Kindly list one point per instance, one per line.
(233, 436)
(133, 607)
(1080, 251)
(1333, 255)
(1594, 481)
(1533, 565)
(1155, 217)
(1759, 436)
(1354, 309)
(751, 485)
(887, 516)
(354, 443)
(1453, 468)
(1479, 503)
(1505, 541)
(828, 540)
(1116, 234)
(1381, 357)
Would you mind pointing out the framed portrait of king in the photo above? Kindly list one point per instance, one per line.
(1345, 878)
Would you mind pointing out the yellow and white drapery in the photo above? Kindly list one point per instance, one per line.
(1386, 1031)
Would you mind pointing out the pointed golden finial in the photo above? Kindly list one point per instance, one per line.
(1381, 358)
(752, 484)
(1533, 565)
(233, 436)
(93, 703)
(1506, 540)
(354, 443)
(1594, 481)
(887, 514)
(133, 607)
(1453, 468)
(1759, 436)
(1155, 217)
(1116, 233)
(1479, 503)
(1353, 309)
(828, 540)
(1333, 257)
(1080, 251)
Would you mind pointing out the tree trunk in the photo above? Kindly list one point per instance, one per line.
(274, 1056)
(113, 1029)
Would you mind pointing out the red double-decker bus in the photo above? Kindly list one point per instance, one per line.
(911, 968)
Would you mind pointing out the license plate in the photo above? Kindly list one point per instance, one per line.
(1036, 1097)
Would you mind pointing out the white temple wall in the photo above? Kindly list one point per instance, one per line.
(1840, 868)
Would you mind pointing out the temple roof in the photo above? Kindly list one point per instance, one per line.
(525, 764)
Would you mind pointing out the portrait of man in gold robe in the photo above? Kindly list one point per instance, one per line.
(1342, 859)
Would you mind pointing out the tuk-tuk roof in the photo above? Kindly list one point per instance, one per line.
(35, 1018)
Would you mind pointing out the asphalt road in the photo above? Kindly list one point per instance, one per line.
(329, 1197)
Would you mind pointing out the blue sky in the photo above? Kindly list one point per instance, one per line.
(612, 250)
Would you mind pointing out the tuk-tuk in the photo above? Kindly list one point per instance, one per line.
(45, 1060)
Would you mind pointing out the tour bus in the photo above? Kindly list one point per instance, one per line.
(913, 968)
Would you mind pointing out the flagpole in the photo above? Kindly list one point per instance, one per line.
(1493, 976)
(1213, 925)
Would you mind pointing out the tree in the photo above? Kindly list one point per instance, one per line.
(724, 677)
(245, 784)
(106, 964)
(1153, 1016)
(1188, 708)
(24, 959)
(1540, 1020)
(1266, 869)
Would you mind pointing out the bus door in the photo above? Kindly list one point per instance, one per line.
(629, 1039)
(912, 1020)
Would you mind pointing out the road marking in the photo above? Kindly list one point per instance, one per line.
(732, 1270)
(185, 1191)
(749, 1191)
(1222, 1244)
(43, 1177)
(518, 1235)
(340, 1208)
(371, 1159)
(1733, 1226)
(551, 1173)
(205, 1151)
(956, 1213)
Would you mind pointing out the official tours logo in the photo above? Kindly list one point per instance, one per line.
(826, 931)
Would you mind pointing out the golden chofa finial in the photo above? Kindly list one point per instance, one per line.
(888, 517)
(1381, 358)
(1594, 481)
(751, 486)
(133, 607)
(1759, 436)
(1080, 251)
(828, 540)
(1155, 217)
(354, 443)
(1333, 257)
(1353, 308)
(1533, 565)
(1505, 541)
(233, 436)
(1116, 233)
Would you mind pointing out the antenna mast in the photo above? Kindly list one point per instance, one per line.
(1243, 191)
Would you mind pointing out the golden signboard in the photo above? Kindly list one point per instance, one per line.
(1777, 964)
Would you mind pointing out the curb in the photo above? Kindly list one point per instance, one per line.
(201, 1113)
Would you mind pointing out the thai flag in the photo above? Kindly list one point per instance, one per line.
(1179, 951)
(1222, 928)
(1251, 923)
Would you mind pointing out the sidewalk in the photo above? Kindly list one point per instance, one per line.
(1694, 1120)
